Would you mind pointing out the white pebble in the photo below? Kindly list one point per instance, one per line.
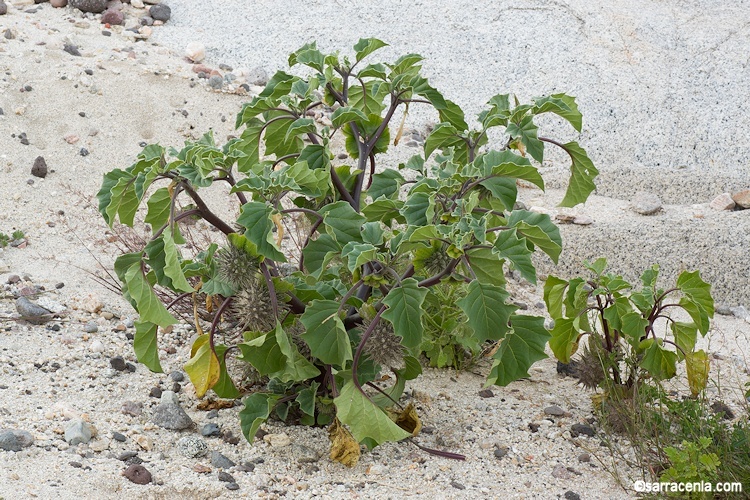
(195, 51)
(96, 346)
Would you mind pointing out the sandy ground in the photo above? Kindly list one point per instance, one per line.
(116, 95)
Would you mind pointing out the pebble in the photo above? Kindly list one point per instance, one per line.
(225, 477)
(132, 408)
(119, 437)
(554, 410)
(126, 455)
(216, 82)
(570, 495)
(160, 12)
(177, 376)
(94, 6)
(257, 76)
(233, 486)
(15, 440)
(138, 4)
(304, 454)
(501, 452)
(72, 50)
(39, 169)
(100, 445)
(137, 474)
(155, 392)
(91, 327)
(210, 430)
(195, 51)
(584, 457)
(581, 429)
(722, 202)
(3, 9)
(220, 461)
(458, 485)
(31, 312)
(192, 447)
(583, 220)
(97, 346)
(212, 414)
(562, 472)
(169, 397)
(113, 17)
(740, 312)
(58, 4)
(171, 416)
(742, 198)
(645, 203)
(77, 431)
(277, 440)
(486, 393)
(117, 363)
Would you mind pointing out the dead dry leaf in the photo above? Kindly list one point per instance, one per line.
(344, 448)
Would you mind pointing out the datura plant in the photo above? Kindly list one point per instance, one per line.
(630, 333)
(332, 325)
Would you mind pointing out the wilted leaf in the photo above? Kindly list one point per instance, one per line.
(344, 448)
(697, 365)
(408, 420)
(203, 367)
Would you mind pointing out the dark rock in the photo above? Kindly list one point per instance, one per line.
(9, 441)
(719, 407)
(554, 410)
(126, 455)
(246, 467)
(570, 495)
(501, 452)
(39, 169)
(486, 393)
(568, 369)
(582, 429)
(83, 152)
(458, 485)
(228, 437)
(177, 376)
(137, 474)
(117, 363)
(212, 414)
(3, 9)
(8, 34)
(225, 477)
(211, 430)
(72, 50)
(146, 21)
(75, 464)
(130, 367)
(171, 416)
(134, 461)
(31, 312)
(220, 461)
(119, 437)
(233, 486)
(216, 82)
(160, 12)
(176, 387)
(533, 427)
(106, 33)
(155, 392)
(584, 457)
(113, 17)
(13, 279)
(95, 6)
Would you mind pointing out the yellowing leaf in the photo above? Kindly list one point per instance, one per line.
(203, 367)
(408, 420)
(344, 449)
(697, 365)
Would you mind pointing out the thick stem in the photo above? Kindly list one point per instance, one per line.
(205, 212)
(271, 289)
(215, 322)
(434, 280)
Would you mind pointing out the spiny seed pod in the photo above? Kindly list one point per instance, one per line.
(590, 367)
(384, 346)
(253, 309)
(437, 261)
(236, 267)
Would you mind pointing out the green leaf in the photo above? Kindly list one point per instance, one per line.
(487, 266)
(698, 292)
(502, 188)
(347, 114)
(300, 126)
(366, 46)
(257, 408)
(405, 311)
(508, 164)
(526, 131)
(105, 195)
(276, 137)
(203, 367)
(224, 387)
(564, 341)
(539, 230)
(597, 267)
(296, 368)
(371, 102)
(306, 399)
(325, 332)
(554, 295)
(486, 310)
(633, 327)
(365, 420)
(159, 205)
(372, 232)
(249, 145)
(685, 334)
(660, 363)
(309, 182)
(511, 247)
(520, 349)
(319, 252)
(172, 264)
(148, 304)
(367, 131)
(615, 312)
(146, 345)
(443, 136)
(386, 184)
(255, 217)
(358, 254)
(279, 85)
(697, 366)
(309, 55)
(342, 222)
(262, 352)
(562, 105)
(417, 209)
(384, 210)
(582, 175)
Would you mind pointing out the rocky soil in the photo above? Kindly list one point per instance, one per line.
(80, 418)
